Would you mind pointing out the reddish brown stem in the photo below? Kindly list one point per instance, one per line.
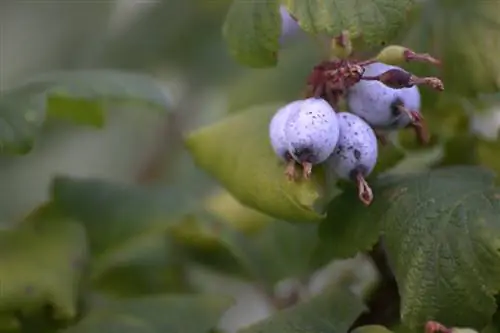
(365, 193)
(421, 57)
(306, 170)
(290, 171)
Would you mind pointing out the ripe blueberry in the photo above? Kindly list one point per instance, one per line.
(356, 153)
(385, 108)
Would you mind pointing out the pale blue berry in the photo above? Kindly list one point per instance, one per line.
(381, 106)
(312, 131)
(277, 125)
(356, 153)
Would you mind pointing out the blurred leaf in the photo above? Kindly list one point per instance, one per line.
(126, 225)
(283, 82)
(372, 329)
(388, 157)
(191, 42)
(333, 311)
(149, 264)
(20, 121)
(252, 30)
(182, 313)
(79, 110)
(76, 95)
(461, 150)
(280, 250)
(236, 151)
(42, 262)
(408, 141)
(441, 233)
(461, 32)
(487, 154)
(193, 230)
(376, 21)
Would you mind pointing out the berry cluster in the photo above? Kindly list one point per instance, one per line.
(380, 98)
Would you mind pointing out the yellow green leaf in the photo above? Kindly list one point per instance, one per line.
(236, 151)
(375, 21)
(160, 313)
(251, 30)
(42, 260)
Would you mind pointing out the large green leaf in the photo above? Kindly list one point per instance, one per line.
(175, 314)
(126, 227)
(333, 311)
(441, 231)
(251, 30)
(375, 21)
(236, 151)
(42, 262)
(464, 35)
(80, 96)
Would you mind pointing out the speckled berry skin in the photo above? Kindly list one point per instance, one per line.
(312, 131)
(277, 129)
(375, 102)
(356, 150)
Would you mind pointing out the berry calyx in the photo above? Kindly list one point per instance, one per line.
(332, 78)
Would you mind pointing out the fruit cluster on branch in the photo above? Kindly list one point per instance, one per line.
(380, 98)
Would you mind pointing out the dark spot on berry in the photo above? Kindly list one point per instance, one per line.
(304, 154)
(360, 169)
(395, 106)
(357, 154)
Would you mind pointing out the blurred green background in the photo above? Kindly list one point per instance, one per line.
(179, 43)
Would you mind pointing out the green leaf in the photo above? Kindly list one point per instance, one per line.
(80, 96)
(126, 227)
(183, 313)
(251, 30)
(333, 311)
(283, 82)
(351, 227)
(441, 232)
(375, 21)
(79, 110)
(280, 250)
(42, 262)
(196, 231)
(388, 157)
(236, 152)
(372, 329)
(464, 35)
